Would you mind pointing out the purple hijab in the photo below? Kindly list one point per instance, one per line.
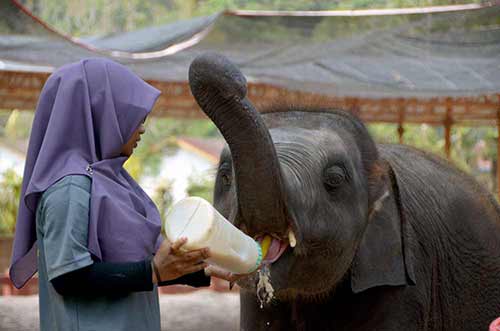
(86, 112)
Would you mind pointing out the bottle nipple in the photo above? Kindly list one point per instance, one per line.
(266, 242)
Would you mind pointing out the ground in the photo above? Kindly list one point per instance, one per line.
(200, 310)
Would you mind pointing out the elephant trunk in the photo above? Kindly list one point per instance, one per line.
(220, 90)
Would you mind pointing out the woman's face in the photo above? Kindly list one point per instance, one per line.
(128, 148)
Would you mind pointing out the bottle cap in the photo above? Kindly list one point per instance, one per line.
(259, 258)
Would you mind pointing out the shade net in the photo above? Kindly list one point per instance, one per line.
(437, 54)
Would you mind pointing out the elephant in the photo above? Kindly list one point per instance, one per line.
(385, 237)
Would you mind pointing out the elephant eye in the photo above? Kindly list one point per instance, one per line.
(225, 179)
(225, 175)
(334, 177)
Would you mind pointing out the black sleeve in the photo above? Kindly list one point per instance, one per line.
(104, 278)
(195, 279)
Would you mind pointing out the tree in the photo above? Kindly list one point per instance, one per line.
(160, 138)
(163, 197)
(463, 139)
(201, 187)
(18, 125)
(10, 192)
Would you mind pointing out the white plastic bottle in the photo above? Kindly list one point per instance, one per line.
(203, 226)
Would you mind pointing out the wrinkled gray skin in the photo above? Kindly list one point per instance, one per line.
(426, 257)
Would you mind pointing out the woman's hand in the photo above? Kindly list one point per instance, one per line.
(172, 263)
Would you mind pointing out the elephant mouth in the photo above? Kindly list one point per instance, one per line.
(276, 248)
(278, 255)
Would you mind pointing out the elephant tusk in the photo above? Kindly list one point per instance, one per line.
(291, 238)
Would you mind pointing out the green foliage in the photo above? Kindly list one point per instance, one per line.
(178, 127)
(463, 145)
(384, 133)
(201, 187)
(4, 118)
(134, 166)
(163, 197)
(160, 136)
(18, 125)
(10, 191)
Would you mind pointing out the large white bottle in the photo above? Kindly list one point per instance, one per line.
(230, 248)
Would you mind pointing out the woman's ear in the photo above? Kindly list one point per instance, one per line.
(383, 256)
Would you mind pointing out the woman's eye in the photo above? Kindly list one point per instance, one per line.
(334, 177)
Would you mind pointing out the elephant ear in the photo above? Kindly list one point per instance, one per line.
(384, 256)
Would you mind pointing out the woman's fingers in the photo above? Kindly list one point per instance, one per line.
(194, 268)
(178, 244)
(195, 256)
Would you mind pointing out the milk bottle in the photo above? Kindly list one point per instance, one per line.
(203, 226)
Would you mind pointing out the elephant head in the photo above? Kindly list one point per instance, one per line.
(314, 173)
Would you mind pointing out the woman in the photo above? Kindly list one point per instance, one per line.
(83, 222)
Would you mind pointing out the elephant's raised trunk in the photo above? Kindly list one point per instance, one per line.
(220, 89)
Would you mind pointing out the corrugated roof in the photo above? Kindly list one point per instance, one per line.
(437, 54)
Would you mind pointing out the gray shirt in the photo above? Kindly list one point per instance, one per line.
(62, 230)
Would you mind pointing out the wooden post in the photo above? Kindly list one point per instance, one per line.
(401, 132)
(401, 129)
(355, 108)
(447, 130)
(447, 141)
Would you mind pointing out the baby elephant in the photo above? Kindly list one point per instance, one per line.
(365, 236)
